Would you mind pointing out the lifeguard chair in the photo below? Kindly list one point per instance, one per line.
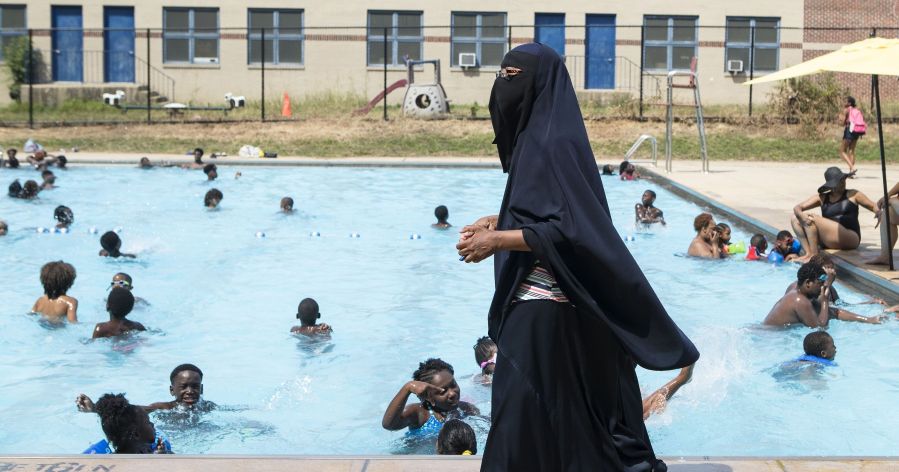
(692, 84)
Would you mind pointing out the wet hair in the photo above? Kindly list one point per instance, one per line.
(61, 161)
(212, 194)
(822, 258)
(145, 162)
(809, 271)
(850, 101)
(701, 221)
(30, 189)
(441, 213)
(57, 278)
(307, 312)
(484, 349)
(63, 214)
(111, 242)
(757, 239)
(288, 202)
(722, 226)
(426, 372)
(15, 189)
(119, 303)
(3, 225)
(815, 342)
(651, 192)
(455, 438)
(209, 168)
(623, 166)
(608, 169)
(784, 235)
(125, 276)
(46, 172)
(120, 420)
(182, 368)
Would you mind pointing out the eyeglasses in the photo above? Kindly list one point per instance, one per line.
(507, 73)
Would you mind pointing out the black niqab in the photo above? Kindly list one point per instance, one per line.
(554, 193)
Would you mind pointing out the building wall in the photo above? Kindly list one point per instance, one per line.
(335, 59)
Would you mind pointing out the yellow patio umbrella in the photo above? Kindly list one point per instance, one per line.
(873, 56)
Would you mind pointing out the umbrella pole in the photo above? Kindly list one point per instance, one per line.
(883, 167)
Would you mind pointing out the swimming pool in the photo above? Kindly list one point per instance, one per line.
(224, 299)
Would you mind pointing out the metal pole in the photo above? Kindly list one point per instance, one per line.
(873, 35)
(149, 104)
(751, 63)
(883, 166)
(510, 37)
(30, 79)
(669, 118)
(385, 74)
(642, 53)
(262, 98)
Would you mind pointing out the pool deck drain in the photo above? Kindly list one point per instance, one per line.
(175, 463)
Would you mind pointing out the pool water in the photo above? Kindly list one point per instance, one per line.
(224, 299)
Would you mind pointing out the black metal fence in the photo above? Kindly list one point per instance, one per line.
(168, 77)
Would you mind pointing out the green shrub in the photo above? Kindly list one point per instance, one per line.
(810, 101)
(15, 54)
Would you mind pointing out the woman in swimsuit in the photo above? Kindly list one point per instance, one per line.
(436, 388)
(839, 227)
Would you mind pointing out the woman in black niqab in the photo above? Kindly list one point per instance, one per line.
(572, 314)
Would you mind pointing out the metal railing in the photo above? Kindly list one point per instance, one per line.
(642, 139)
(627, 76)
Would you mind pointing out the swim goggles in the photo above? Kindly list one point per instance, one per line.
(119, 283)
(822, 277)
(492, 360)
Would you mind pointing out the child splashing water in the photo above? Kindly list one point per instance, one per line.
(128, 429)
(438, 394)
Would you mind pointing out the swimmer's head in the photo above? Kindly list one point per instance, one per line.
(145, 163)
(286, 204)
(61, 162)
(724, 230)
(111, 242)
(4, 228)
(440, 374)
(810, 278)
(57, 278)
(308, 312)
(46, 174)
(784, 241)
(127, 427)
(819, 344)
(30, 189)
(456, 438)
(213, 198)
(608, 169)
(441, 213)
(198, 155)
(122, 280)
(15, 189)
(824, 259)
(623, 166)
(11, 152)
(64, 215)
(648, 198)
(485, 355)
(703, 223)
(186, 384)
(211, 171)
(759, 242)
(119, 303)
(40, 154)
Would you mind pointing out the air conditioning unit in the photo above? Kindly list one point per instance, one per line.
(735, 66)
(468, 59)
(206, 60)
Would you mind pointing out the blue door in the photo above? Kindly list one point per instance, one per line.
(118, 44)
(549, 29)
(600, 48)
(67, 43)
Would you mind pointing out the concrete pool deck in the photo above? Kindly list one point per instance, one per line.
(177, 463)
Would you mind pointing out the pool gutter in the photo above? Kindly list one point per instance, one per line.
(848, 273)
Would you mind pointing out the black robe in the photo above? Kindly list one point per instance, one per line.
(555, 195)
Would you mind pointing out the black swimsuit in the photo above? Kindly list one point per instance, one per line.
(843, 211)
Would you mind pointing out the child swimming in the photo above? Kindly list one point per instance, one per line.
(442, 214)
(308, 313)
(4, 228)
(119, 303)
(757, 247)
(186, 386)
(211, 171)
(457, 438)
(213, 198)
(438, 394)
(112, 244)
(55, 306)
(29, 190)
(11, 161)
(819, 349)
(64, 216)
(49, 179)
(287, 205)
(128, 429)
(485, 356)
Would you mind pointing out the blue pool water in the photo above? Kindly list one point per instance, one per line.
(225, 300)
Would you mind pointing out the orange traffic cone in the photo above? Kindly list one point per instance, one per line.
(285, 106)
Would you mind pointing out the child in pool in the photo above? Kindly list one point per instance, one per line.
(4, 228)
(824, 260)
(119, 303)
(49, 180)
(438, 394)
(442, 214)
(485, 356)
(656, 401)
(287, 205)
(724, 239)
(213, 198)
(186, 386)
(457, 438)
(308, 313)
(128, 429)
(757, 247)
(64, 216)
(112, 244)
(123, 280)
(11, 161)
(211, 171)
(819, 349)
(55, 306)
(30, 190)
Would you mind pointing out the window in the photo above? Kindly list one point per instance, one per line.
(404, 37)
(483, 34)
(190, 35)
(739, 43)
(669, 42)
(283, 36)
(12, 25)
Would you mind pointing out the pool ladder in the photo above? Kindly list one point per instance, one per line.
(642, 139)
